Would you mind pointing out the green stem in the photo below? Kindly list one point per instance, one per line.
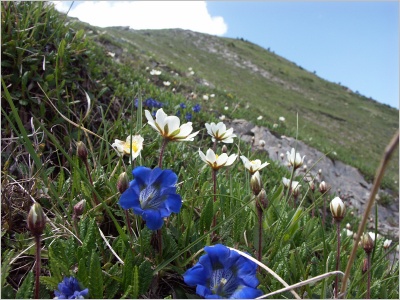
(91, 181)
(260, 215)
(214, 177)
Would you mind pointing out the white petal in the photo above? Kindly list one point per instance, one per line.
(202, 156)
(210, 155)
(222, 159)
(231, 159)
(244, 159)
(186, 129)
(173, 123)
(161, 118)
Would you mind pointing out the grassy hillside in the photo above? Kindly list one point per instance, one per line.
(83, 217)
(332, 118)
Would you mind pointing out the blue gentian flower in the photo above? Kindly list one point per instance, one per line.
(70, 288)
(196, 108)
(178, 113)
(188, 117)
(152, 195)
(182, 105)
(223, 273)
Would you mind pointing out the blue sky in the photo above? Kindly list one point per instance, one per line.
(354, 43)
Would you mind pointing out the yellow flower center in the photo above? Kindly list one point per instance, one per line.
(135, 147)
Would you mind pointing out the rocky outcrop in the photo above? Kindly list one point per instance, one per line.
(345, 181)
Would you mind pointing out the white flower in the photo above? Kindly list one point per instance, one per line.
(282, 119)
(348, 232)
(285, 182)
(253, 165)
(190, 68)
(212, 95)
(255, 183)
(222, 117)
(205, 97)
(262, 143)
(275, 125)
(294, 158)
(338, 208)
(386, 243)
(219, 132)
(372, 235)
(168, 126)
(217, 161)
(155, 72)
(295, 186)
(166, 83)
(132, 146)
(259, 117)
(226, 107)
(348, 226)
(111, 54)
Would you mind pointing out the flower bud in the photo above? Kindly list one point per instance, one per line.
(322, 187)
(224, 149)
(255, 183)
(79, 208)
(36, 219)
(282, 156)
(364, 267)
(122, 182)
(348, 226)
(338, 209)
(261, 200)
(262, 143)
(312, 185)
(386, 243)
(81, 150)
(367, 243)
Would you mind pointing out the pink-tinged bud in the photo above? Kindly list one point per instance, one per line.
(81, 150)
(261, 200)
(312, 185)
(364, 267)
(79, 208)
(224, 149)
(122, 182)
(323, 187)
(338, 209)
(36, 219)
(367, 243)
(255, 183)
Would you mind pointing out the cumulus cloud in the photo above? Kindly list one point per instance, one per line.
(192, 15)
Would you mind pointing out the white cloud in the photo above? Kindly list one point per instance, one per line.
(192, 15)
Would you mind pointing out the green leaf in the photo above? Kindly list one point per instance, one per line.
(127, 271)
(146, 276)
(111, 283)
(95, 278)
(5, 265)
(135, 283)
(83, 274)
(89, 242)
(25, 291)
(50, 282)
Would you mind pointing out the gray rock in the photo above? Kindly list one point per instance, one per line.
(345, 181)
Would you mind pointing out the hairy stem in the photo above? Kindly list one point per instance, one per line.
(37, 269)
(164, 144)
(337, 258)
(368, 275)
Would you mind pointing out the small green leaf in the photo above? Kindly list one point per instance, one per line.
(5, 265)
(95, 278)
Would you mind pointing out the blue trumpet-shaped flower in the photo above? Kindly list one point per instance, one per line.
(223, 273)
(152, 195)
(70, 288)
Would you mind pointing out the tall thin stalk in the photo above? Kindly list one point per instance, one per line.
(378, 177)
(37, 266)
(164, 144)
(337, 258)
(214, 177)
(368, 275)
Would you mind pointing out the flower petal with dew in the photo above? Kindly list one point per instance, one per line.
(295, 159)
(169, 126)
(70, 288)
(220, 133)
(253, 165)
(216, 161)
(133, 145)
(152, 195)
(223, 273)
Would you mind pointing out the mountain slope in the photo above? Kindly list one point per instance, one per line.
(331, 118)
